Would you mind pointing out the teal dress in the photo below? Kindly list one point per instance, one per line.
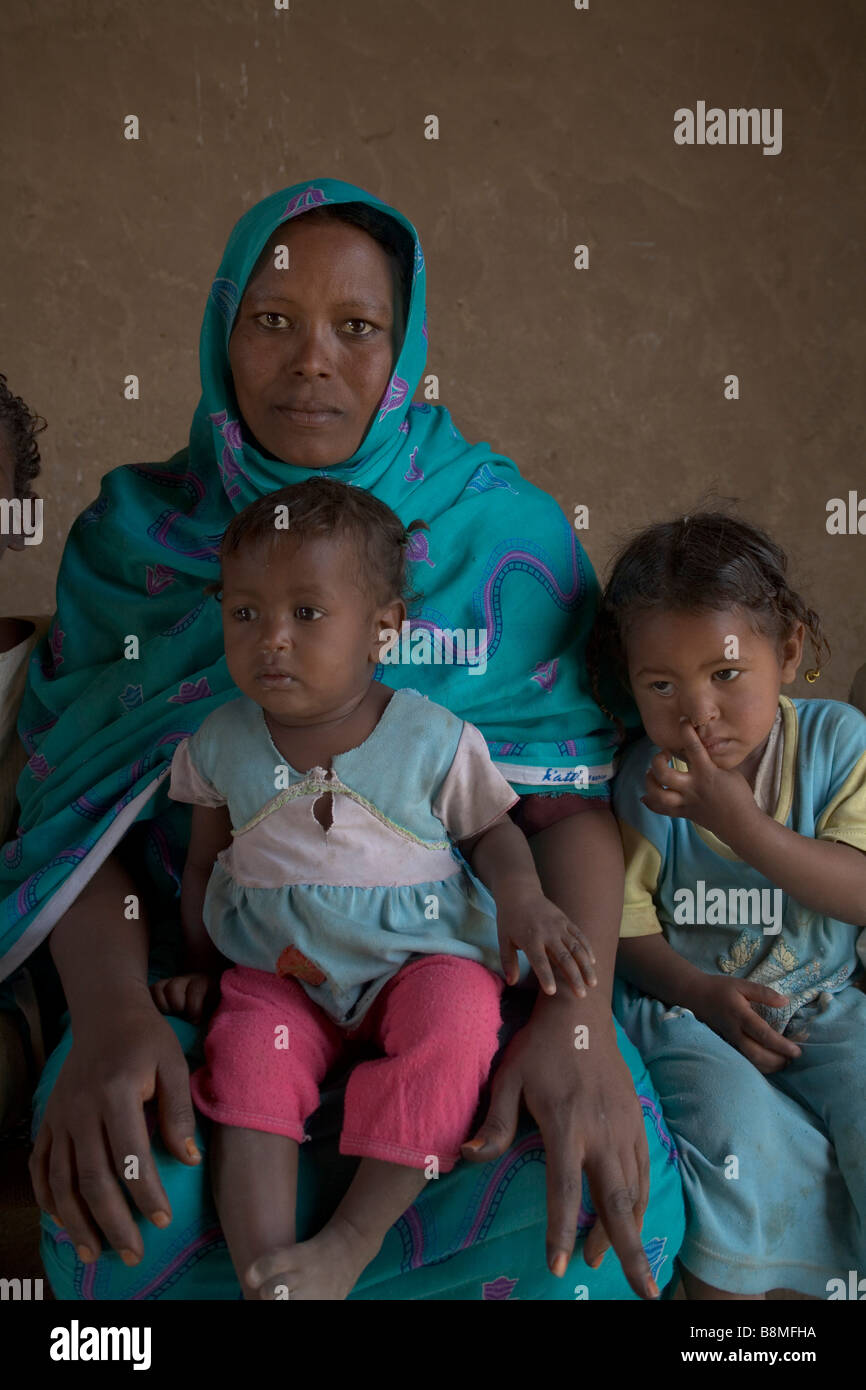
(498, 559)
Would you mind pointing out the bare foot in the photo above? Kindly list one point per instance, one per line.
(327, 1267)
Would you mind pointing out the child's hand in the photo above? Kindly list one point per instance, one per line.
(535, 925)
(722, 1002)
(719, 800)
(186, 996)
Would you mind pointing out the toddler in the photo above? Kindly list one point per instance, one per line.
(322, 864)
(743, 820)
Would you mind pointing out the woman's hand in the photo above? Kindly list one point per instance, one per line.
(719, 800)
(536, 926)
(725, 1004)
(94, 1134)
(585, 1105)
(186, 996)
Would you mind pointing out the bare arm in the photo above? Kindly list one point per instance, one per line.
(583, 1098)
(654, 967)
(526, 920)
(210, 833)
(123, 1054)
(100, 954)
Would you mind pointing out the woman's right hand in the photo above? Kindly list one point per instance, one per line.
(724, 1003)
(94, 1133)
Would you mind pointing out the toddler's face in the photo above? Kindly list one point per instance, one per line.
(714, 670)
(300, 636)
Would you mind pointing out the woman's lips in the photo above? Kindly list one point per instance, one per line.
(309, 419)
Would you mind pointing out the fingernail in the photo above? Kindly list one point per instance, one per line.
(55, 1219)
(594, 1264)
(560, 1265)
(474, 1144)
(129, 1257)
(652, 1287)
(160, 1219)
(84, 1253)
(191, 1149)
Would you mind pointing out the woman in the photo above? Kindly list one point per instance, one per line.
(134, 662)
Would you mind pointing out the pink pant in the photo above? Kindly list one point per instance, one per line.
(269, 1048)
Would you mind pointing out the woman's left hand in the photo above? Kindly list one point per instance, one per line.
(590, 1120)
(720, 800)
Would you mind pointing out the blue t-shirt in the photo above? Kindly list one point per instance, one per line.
(717, 911)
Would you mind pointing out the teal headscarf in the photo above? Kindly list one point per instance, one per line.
(133, 660)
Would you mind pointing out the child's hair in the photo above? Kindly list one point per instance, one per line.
(708, 562)
(19, 426)
(327, 507)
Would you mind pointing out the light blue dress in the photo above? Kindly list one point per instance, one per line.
(774, 1167)
(342, 909)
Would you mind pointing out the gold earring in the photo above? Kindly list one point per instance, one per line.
(812, 676)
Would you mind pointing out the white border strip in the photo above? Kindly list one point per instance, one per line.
(555, 776)
(47, 919)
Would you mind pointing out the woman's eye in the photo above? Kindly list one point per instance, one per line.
(304, 613)
(661, 687)
(243, 615)
(364, 323)
(272, 315)
(727, 675)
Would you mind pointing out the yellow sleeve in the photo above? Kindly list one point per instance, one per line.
(642, 868)
(845, 817)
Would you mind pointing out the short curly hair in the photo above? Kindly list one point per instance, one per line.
(323, 506)
(702, 563)
(19, 425)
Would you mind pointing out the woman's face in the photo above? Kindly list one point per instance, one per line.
(313, 346)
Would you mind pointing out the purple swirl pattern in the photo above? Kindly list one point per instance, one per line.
(413, 473)
(545, 673)
(190, 691)
(28, 736)
(497, 1290)
(40, 767)
(395, 394)
(157, 578)
(160, 530)
(188, 481)
(418, 551)
(131, 697)
(310, 197)
(186, 621)
(13, 853)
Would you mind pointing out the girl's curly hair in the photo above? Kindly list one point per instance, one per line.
(707, 562)
(20, 426)
(327, 507)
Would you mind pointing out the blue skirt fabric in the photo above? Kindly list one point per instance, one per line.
(773, 1167)
(477, 1232)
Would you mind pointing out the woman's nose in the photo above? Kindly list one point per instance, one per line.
(311, 351)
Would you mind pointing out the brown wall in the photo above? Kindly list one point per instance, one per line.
(556, 127)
